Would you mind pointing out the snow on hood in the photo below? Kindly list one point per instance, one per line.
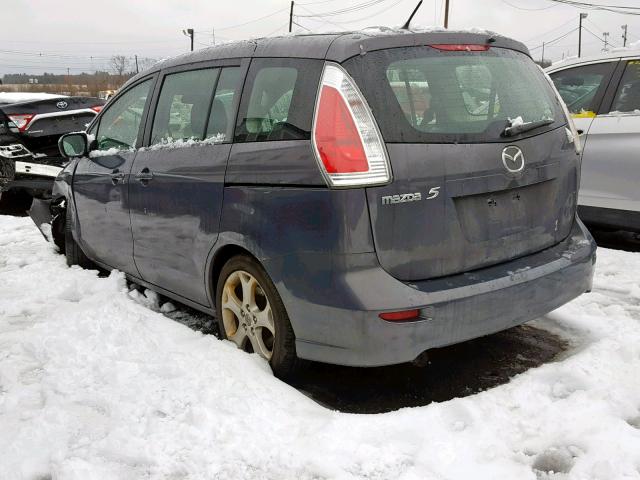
(17, 97)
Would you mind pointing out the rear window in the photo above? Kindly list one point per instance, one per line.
(420, 94)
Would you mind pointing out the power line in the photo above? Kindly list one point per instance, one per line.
(605, 41)
(552, 30)
(356, 20)
(252, 21)
(555, 39)
(342, 11)
(528, 9)
(623, 10)
(596, 5)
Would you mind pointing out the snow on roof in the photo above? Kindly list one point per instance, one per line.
(383, 30)
(633, 50)
(16, 97)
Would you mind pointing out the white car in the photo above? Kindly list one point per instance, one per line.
(603, 95)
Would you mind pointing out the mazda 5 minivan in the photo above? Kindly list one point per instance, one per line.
(353, 198)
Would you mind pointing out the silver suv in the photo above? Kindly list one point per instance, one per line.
(603, 95)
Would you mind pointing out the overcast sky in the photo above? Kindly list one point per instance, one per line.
(81, 35)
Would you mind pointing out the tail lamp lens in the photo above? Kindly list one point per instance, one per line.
(346, 139)
(21, 120)
(97, 108)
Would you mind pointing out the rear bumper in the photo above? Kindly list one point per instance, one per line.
(333, 302)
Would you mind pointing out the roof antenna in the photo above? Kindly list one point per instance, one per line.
(406, 25)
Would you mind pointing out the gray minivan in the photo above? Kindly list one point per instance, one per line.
(352, 198)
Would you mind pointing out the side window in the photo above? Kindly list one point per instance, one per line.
(581, 87)
(220, 126)
(183, 106)
(120, 123)
(278, 100)
(627, 97)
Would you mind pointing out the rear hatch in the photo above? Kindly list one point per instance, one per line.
(462, 197)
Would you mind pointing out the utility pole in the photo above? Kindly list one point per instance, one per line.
(624, 35)
(291, 17)
(189, 33)
(446, 13)
(213, 33)
(605, 35)
(542, 60)
(582, 16)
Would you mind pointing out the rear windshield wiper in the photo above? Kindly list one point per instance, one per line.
(525, 127)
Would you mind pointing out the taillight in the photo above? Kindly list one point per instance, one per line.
(402, 316)
(22, 120)
(346, 139)
(460, 47)
(97, 108)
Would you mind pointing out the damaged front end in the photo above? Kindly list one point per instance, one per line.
(49, 214)
(9, 154)
(49, 217)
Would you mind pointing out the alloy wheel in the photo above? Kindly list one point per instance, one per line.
(247, 315)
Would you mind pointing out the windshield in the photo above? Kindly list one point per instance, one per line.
(420, 94)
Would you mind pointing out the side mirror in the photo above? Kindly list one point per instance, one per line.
(72, 145)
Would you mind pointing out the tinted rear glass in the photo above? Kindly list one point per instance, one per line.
(420, 94)
(278, 100)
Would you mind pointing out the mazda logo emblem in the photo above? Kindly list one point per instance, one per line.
(62, 104)
(513, 159)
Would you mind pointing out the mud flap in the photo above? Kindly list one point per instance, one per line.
(40, 213)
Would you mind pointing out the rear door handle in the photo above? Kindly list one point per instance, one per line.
(144, 176)
(117, 176)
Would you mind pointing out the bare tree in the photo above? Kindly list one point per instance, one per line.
(119, 64)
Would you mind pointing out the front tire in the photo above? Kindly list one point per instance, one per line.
(251, 314)
(72, 251)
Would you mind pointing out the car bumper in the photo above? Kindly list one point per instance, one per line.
(611, 218)
(334, 301)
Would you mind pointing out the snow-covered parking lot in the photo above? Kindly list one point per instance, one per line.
(94, 384)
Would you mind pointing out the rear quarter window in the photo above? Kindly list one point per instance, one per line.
(278, 100)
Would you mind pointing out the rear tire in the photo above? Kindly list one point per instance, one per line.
(72, 251)
(248, 307)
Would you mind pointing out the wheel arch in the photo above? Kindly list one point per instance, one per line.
(221, 256)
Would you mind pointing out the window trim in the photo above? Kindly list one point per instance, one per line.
(145, 112)
(242, 63)
(268, 62)
(599, 103)
(612, 88)
(164, 79)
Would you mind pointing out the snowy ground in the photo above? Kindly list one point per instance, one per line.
(94, 384)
